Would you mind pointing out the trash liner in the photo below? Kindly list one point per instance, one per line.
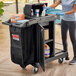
(54, 11)
(22, 45)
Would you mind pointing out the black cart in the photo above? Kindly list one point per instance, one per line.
(27, 42)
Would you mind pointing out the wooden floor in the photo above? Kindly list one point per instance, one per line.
(8, 68)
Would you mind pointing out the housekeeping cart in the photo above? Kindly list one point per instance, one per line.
(27, 42)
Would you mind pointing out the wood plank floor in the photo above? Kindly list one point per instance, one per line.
(8, 68)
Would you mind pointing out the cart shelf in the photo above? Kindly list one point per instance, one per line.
(47, 41)
(57, 56)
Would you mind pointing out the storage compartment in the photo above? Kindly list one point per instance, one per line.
(22, 45)
(49, 36)
(16, 45)
(28, 7)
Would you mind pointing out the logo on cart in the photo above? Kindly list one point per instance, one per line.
(15, 37)
(42, 0)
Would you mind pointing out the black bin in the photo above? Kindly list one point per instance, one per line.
(22, 44)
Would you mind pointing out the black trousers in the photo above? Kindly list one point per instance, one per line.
(71, 26)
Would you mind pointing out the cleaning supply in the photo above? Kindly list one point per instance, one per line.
(37, 12)
(44, 10)
(22, 21)
(47, 51)
(32, 13)
(16, 17)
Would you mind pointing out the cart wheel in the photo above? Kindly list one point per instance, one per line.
(60, 60)
(35, 70)
(67, 58)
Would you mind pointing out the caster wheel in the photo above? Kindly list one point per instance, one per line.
(35, 70)
(67, 58)
(60, 60)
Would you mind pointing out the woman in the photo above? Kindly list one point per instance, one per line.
(68, 23)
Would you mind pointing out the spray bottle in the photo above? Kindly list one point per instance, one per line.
(32, 12)
(44, 10)
(37, 12)
(47, 51)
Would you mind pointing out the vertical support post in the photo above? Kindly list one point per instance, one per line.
(52, 36)
(17, 6)
(38, 1)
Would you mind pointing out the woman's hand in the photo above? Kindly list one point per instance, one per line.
(60, 13)
(47, 8)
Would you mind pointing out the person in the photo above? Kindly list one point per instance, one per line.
(68, 23)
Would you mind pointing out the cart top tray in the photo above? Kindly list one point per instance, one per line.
(32, 20)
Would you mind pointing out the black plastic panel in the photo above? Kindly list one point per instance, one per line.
(41, 46)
